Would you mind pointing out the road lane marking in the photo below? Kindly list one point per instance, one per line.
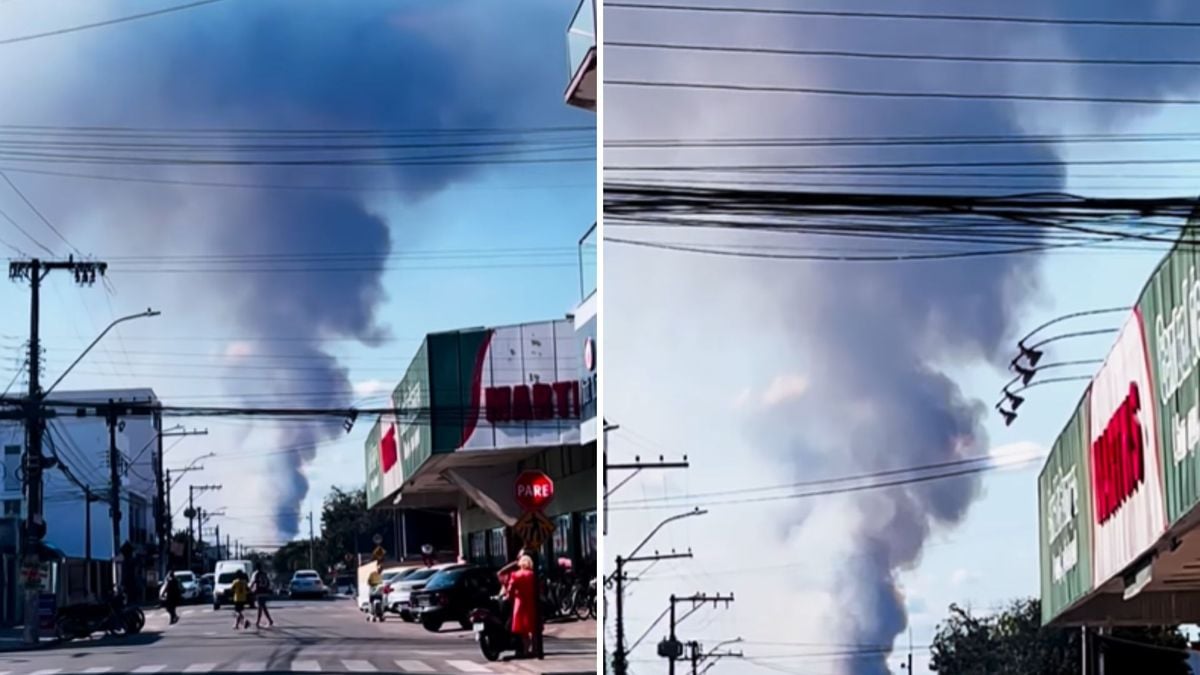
(201, 668)
(429, 652)
(47, 671)
(252, 666)
(149, 669)
(97, 669)
(306, 667)
(413, 666)
(358, 666)
(469, 666)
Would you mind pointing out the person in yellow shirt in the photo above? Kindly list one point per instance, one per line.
(375, 592)
(241, 595)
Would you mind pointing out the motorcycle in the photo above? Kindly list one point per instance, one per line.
(492, 630)
(377, 610)
(111, 616)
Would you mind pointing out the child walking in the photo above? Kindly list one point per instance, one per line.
(241, 595)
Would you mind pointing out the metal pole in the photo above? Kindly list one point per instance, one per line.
(33, 463)
(619, 656)
(1085, 661)
(671, 659)
(191, 523)
(160, 520)
(114, 498)
(312, 543)
(695, 656)
(170, 526)
(87, 539)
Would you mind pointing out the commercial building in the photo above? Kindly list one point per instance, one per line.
(79, 530)
(475, 408)
(1119, 493)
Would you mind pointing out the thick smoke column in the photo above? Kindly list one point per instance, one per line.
(874, 340)
(278, 65)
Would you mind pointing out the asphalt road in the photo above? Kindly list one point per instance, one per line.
(327, 636)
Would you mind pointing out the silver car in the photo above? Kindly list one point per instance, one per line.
(307, 583)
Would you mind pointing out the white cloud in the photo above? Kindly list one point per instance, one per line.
(743, 398)
(1018, 453)
(783, 388)
(961, 576)
(370, 387)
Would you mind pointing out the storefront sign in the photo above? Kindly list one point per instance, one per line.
(533, 490)
(539, 401)
(1126, 483)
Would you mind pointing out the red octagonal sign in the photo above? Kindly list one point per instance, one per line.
(533, 490)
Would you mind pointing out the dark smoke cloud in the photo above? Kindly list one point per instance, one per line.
(874, 340)
(271, 64)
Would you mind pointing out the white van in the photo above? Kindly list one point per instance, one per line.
(226, 571)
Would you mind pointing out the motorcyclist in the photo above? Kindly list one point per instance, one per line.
(375, 583)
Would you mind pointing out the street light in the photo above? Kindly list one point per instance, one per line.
(190, 467)
(694, 512)
(141, 315)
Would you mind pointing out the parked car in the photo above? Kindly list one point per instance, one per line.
(206, 584)
(189, 586)
(307, 583)
(343, 585)
(399, 600)
(452, 594)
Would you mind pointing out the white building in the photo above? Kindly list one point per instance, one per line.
(81, 444)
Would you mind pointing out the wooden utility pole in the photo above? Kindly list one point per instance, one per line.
(114, 491)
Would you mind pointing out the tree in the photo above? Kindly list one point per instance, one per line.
(348, 526)
(1014, 642)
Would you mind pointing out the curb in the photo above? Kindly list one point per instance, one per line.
(22, 647)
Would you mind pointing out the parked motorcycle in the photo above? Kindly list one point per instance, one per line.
(492, 630)
(111, 616)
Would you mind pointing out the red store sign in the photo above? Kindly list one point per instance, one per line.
(1118, 458)
(539, 401)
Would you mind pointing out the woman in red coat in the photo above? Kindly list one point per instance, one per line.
(522, 589)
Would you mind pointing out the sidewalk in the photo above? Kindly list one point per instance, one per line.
(13, 640)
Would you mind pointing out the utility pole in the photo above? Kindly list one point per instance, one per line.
(191, 514)
(162, 516)
(217, 541)
(620, 663)
(114, 489)
(636, 466)
(87, 539)
(671, 649)
(312, 543)
(35, 271)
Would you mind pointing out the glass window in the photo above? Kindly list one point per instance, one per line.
(588, 536)
(478, 547)
(12, 462)
(498, 547)
(562, 535)
(445, 579)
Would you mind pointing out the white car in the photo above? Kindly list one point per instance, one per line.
(189, 585)
(307, 583)
(400, 599)
(225, 573)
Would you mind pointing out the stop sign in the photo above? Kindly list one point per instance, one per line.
(533, 490)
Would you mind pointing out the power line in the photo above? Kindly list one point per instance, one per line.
(38, 212)
(108, 22)
(898, 56)
(871, 93)
(972, 18)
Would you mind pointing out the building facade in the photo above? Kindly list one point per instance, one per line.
(79, 528)
(475, 408)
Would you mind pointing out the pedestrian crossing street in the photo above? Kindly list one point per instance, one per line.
(300, 665)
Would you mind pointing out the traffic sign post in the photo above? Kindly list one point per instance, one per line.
(533, 492)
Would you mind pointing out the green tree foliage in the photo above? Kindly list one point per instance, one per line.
(347, 529)
(1014, 642)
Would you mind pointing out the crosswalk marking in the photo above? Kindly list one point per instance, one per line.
(149, 669)
(469, 666)
(201, 668)
(95, 670)
(306, 667)
(358, 666)
(413, 666)
(252, 666)
(430, 652)
(47, 671)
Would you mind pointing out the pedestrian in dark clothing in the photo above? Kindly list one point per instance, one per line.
(260, 586)
(172, 596)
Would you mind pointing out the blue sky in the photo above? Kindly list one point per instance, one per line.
(742, 350)
(470, 244)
